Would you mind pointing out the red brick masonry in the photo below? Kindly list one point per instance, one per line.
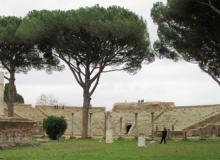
(15, 131)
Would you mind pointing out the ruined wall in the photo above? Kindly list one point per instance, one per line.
(130, 119)
(27, 111)
(15, 131)
(210, 130)
(180, 118)
(126, 119)
(73, 116)
(210, 120)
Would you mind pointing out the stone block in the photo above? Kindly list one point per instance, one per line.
(141, 140)
(109, 136)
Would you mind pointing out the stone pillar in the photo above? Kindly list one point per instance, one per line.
(105, 127)
(72, 128)
(152, 125)
(1, 93)
(109, 134)
(108, 121)
(141, 140)
(120, 129)
(90, 125)
(136, 125)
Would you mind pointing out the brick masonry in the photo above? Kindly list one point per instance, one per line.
(127, 119)
(15, 131)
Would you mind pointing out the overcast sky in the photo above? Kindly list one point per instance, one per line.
(163, 80)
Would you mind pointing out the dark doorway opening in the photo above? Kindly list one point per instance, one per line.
(128, 127)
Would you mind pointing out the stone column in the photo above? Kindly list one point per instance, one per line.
(120, 129)
(108, 121)
(72, 128)
(136, 125)
(152, 125)
(141, 140)
(1, 93)
(90, 125)
(105, 127)
(109, 134)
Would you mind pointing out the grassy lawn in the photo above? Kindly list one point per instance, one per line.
(119, 150)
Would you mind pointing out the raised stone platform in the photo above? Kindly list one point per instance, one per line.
(15, 131)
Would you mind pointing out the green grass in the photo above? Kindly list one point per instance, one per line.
(77, 149)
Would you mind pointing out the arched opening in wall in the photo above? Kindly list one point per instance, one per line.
(128, 127)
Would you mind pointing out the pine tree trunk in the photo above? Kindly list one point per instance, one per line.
(11, 95)
(85, 112)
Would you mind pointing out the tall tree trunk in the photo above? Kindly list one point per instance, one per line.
(85, 113)
(11, 95)
(86, 102)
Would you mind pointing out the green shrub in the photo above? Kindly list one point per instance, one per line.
(54, 126)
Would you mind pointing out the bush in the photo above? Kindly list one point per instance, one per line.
(54, 126)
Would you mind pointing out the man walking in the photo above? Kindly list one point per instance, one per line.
(163, 136)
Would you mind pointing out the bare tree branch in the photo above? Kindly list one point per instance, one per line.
(213, 77)
(77, 78)
(209, 4)
(213, 7)
(6, 78)
(98, 73)
(6, 67)
(114, 70)
(73, 70)
(95, 85)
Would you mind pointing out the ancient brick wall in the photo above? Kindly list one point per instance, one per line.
(15, 131)
(27, 111)
(210, 130)
(180, 118)
(126, 119)
(211, 120)
(130, 119)
(73, 116)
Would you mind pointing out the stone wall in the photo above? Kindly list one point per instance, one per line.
(180, 118)
(126, 119)
(131, 119)
(210, 130)
(73, 116)
(27, 111)
(15, 131)
(211, 120)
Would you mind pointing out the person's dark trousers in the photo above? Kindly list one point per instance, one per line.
(163, 139)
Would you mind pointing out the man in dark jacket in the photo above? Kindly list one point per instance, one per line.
(163, 136)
